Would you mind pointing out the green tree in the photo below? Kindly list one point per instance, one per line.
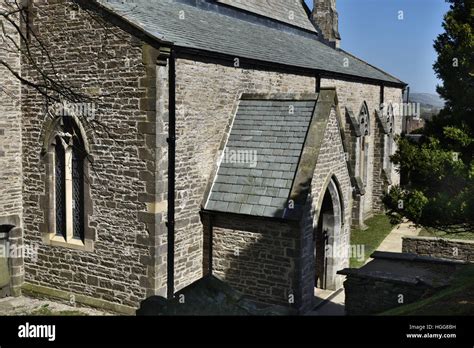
(440, 167)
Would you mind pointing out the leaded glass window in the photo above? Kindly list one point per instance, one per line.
(78, 193)
(69, 153)
(60, 185)
(364, 121)
(363, 158)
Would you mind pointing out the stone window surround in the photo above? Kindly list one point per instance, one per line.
(48, 229)
(386, 119)
(389, 140)
(362, 145)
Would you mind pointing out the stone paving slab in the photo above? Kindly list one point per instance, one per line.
(334, 307)
(394, 241)
(21, 306)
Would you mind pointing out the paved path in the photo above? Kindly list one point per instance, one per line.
(19, 306)
(393, 242)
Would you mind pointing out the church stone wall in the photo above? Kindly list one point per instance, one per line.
(10, 125)
(395, 96)
(352, 95)
(257, 257)
(206, 95)
(111, 66)
(10, 149)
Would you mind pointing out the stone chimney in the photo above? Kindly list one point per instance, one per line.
(326, 20)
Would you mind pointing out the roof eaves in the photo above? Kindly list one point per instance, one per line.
(99, 5)
(322, 73)
(374, 67)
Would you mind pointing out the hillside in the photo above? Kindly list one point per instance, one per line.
(427, 99)
(431, 104)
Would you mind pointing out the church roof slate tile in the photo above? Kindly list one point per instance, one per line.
(203, 29)
(259, 181)
(288, 11)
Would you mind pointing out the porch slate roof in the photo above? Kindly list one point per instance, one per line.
(269, 136)
(207, 28)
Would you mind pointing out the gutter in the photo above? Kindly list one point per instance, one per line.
(289, 69)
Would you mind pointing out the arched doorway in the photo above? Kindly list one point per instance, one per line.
(327, 230)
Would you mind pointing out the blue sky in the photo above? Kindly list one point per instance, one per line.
(371, 30)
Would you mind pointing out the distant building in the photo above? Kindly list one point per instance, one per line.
(412, 124)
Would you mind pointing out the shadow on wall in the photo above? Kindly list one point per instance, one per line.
(258, 257)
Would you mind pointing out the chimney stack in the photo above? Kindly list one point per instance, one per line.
(326, 20)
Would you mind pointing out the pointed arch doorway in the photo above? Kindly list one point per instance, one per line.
(328, 228)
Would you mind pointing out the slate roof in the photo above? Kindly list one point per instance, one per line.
(288, 11)
(205, 29)
(269, 135)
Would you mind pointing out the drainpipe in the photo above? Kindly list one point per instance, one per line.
(211, 240)
(171, 172)
(382, 95)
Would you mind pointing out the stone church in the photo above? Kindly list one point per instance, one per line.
(225, 137)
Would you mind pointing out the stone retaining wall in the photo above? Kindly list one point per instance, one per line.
(367, 296)
(438, 247)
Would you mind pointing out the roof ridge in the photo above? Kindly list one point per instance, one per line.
(271, 9)
(258, 19)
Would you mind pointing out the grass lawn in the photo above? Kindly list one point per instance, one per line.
(457, 299)
(425, 232)
(379, 227)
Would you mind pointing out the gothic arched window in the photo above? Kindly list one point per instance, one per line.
(69, 164)
(389, 139)
(364, 122)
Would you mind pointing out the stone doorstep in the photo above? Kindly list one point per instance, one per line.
(327, 297)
